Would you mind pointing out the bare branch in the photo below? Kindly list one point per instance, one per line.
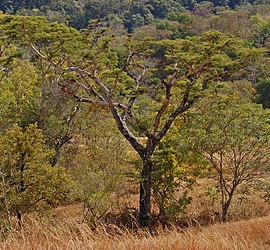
(184, 106)
(163, 108)
(38, 53)
(127, 134)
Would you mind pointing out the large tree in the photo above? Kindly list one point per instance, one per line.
(145, 84)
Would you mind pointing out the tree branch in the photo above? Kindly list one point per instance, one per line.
(127, 134)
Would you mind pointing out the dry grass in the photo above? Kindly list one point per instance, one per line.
(40, 233)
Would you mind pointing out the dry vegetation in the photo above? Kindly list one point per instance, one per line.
(68, 232)
(65, 228)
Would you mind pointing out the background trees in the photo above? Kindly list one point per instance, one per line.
(263, 89)
(134, 14)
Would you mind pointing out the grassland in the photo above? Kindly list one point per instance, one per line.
(69, 233)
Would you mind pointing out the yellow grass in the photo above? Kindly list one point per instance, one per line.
(39, 234)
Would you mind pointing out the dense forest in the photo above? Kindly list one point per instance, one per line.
(145, 112)
(130, 14)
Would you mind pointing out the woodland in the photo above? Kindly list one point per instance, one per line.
(140, 114)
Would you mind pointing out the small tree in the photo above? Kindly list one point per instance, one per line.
(29, 179)
(95, 160)
(234, 136)
(174, 173)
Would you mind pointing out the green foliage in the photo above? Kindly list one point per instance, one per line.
(174, 172)
(96, 161)
(263, 89)
(137, 16)
(58, 38)
(178, 29)
(30, 91)
(233, 135)
(228, 122)
(30, 181)
(261, 29)
(20, 95)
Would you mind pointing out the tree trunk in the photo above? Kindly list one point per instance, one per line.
(19, 217)
(145, 194)
(56, 156)
(225, 207)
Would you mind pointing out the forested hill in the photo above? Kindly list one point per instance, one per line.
(129, 13)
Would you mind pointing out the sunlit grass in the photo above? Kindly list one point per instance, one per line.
(69, 233)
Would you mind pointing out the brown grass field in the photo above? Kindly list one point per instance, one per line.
(49, 233)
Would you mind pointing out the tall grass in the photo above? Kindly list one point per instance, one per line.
(48, 233)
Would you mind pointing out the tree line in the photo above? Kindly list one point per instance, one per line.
(129, 14)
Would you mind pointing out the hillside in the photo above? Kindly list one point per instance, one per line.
(119, 118)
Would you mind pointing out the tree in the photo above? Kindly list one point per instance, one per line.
(29, 96)
(137, 16)
(160, 8)
(145, 85)
(260, 30)
(20, 94)
(263, 89)
(233, 135)
(236, 23)
(178, 26)
(28, 179)
(15, 5)
(96, 160)
(174, 173)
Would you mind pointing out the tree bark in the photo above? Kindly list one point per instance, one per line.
(19, 217)
(145, 194)
(225, 207)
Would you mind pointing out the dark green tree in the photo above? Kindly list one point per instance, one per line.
(263, 90)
